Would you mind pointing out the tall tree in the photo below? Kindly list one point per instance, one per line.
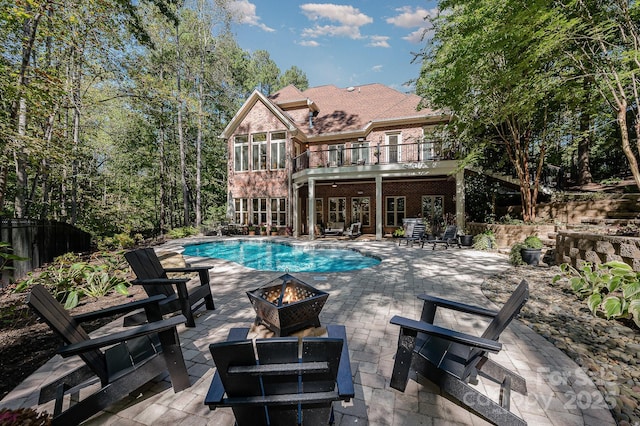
(607, 34)
(492, 64)
(264, 72)
(294, 76)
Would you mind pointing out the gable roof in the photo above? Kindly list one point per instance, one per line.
(255, 97)
(342, 111)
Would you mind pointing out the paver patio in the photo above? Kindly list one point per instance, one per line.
(364, 301)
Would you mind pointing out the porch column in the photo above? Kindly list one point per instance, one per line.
(460, 201)
(311, 219)
(379, 223)
(295, 217)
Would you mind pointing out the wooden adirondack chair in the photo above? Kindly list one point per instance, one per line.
(452, 360)
(153, 277)
(133, 357)
(279, 387)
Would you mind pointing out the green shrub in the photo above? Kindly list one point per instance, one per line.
(531, 242)
(398, 232)
(124, 240)
(486, 240)
(183, 232)
(69, 278)
(611, 289)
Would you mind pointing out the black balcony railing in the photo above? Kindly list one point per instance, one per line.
(340, 156)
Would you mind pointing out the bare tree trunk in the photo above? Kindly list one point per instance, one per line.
(19, 157)
(626, 145)
(19, 113)
(199, 153)
(163, 179)
(183, 154)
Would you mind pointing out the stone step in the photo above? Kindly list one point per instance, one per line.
(607, 222)
(623, 215)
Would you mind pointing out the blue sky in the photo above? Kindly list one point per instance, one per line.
(345, 44)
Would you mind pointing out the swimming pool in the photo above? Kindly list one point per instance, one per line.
(273, 256)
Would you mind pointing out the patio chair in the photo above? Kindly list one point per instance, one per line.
(268, 382)
(133, 357)
(451, 360)
(354, 231)
(449, 237)
(153, 277)
(414, 232)
(334, 229)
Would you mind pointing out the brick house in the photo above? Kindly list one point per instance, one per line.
(360, 154)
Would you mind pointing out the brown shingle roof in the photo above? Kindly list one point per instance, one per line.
(347, 109)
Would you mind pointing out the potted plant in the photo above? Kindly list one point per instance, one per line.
(465, 239)
(263, 229)
(274, 230)
(486, 240)
(399, 232)
(251, 229)
(526, 252)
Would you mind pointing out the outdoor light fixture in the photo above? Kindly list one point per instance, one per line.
(334, 185)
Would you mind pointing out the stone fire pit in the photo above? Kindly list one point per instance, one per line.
(287, 304)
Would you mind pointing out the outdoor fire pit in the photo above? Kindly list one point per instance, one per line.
(287, 304)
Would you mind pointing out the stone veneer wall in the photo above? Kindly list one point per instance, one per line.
(574, 247)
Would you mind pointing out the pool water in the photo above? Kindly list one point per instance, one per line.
(272, 256)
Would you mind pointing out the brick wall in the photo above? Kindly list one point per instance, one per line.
(575, 247)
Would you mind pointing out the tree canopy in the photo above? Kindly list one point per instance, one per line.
(111, 110)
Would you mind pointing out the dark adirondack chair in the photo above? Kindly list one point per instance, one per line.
(179, 297)
(449, 237)
(133, 357)
(414, 233)
(280, 387)
(452, 360)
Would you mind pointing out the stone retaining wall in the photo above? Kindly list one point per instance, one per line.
(573, 247)
(508, 235)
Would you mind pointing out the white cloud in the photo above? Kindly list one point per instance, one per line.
(409, 17)
(379, 41)
(332, 31)
(309, 43)
(245, 12)
(345, 15)
(344, 21)
(376, 68)
(418, 35)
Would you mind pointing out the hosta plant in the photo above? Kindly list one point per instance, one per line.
(69, 278)
(611, 289)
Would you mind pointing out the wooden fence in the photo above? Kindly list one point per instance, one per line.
(40, 242)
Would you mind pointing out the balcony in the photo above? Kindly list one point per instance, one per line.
(372, 155)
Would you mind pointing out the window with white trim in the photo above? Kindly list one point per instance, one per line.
(361, 210)
(394, 141)
(259, 211)
(337, 209)
(431, 146)
(259, 151)
(433, 209)
(360, 153)
(395, 210)
(278, 150)
(241, 206)
(241, 153)
(278, 211)
(336, 155)
(319, 212)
